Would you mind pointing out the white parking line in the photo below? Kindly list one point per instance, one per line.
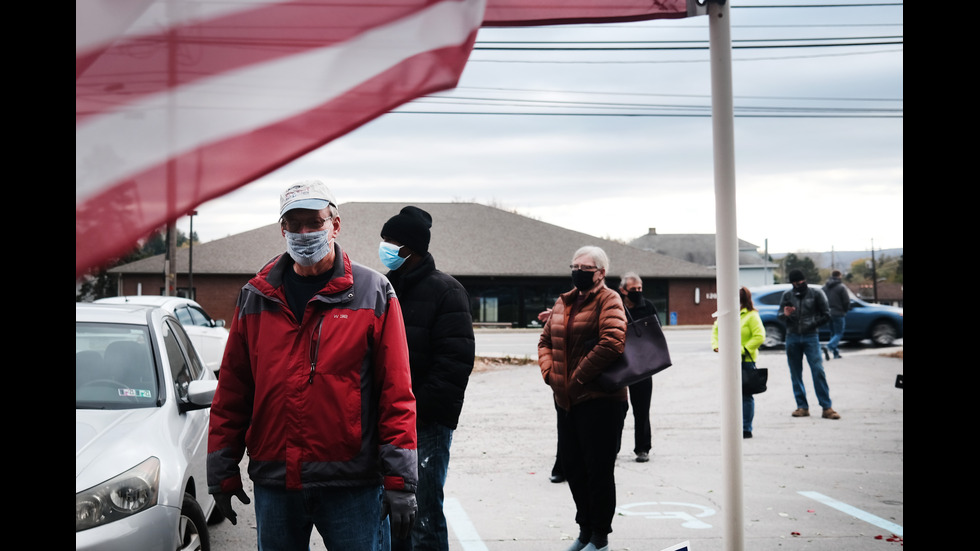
(856, 513)
(460, 523)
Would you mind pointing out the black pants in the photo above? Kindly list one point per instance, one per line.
(640, 396)
(556, 470)
(589, 436)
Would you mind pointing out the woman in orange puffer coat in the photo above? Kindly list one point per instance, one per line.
(584, 335)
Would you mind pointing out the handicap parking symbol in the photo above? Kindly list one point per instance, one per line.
(689, 513)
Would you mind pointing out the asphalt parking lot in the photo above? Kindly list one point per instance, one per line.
(808, 483)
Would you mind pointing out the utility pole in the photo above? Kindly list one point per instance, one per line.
(170, 281)
(874, 274)
(190, 262)
(767, 277)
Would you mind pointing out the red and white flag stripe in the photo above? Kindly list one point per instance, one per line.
(168, 119)
(180, 101)
(513, 13)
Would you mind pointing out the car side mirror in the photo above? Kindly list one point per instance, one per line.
(219, 323)
(200, 394)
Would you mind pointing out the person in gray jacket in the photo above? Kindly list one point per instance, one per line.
(840, 303)
(803, 309)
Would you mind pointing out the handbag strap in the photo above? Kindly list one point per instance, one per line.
(630, 322)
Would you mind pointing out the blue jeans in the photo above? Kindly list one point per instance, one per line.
(347, 518)
(748, 404)
(807, 345)
(430, 531)
(837, 332)
(748, 412)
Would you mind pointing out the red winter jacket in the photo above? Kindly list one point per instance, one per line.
(326, 402)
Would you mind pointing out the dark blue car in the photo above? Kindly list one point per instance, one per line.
(881, 324)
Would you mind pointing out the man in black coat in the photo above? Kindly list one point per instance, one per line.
(803, 310)
(840, 302)
(641, 393)
(441, 351)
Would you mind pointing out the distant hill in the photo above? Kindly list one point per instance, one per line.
(840, 259)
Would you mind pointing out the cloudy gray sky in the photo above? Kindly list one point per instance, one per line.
(615, 142)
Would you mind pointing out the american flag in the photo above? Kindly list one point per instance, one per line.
(181, 101)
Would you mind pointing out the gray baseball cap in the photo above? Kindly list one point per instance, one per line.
(309, 194)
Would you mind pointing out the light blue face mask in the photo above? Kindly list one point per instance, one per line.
(308, 248)
(389, 255)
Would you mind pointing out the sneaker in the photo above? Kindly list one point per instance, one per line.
(746, 434)
(642, 457)
(829, 413)
(836, 355)
(801, 412)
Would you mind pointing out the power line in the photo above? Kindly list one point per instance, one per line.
(628, 115)
(615, 93)
(657, 61)
(703, 96)
(780, 6)
(705, 46)
(699, 40)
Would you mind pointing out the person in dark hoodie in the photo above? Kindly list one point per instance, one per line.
(441, 350)
(803, 309)
(840, 303)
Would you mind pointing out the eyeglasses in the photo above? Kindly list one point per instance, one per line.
(313, 224)
(583, 267)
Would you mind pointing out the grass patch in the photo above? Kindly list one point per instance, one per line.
(487, 363)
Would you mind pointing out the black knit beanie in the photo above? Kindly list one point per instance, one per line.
(410, 227)
(796, 275)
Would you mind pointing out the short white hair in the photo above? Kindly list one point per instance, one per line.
(628, 276)
(597, 255)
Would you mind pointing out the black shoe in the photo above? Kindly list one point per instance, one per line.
(826, 354)
(746, 434)
(642, 457)
(557, 478)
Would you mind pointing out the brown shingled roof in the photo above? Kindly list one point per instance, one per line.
(468, 239)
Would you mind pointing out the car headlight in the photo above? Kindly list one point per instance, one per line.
(118, 497)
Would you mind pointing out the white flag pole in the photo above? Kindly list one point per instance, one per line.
(726, 254)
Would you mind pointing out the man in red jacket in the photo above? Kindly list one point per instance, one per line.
(315, 385)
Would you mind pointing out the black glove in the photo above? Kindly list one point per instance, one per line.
(222, 500)
(403, 507)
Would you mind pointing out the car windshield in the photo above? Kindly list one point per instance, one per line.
(113, 367)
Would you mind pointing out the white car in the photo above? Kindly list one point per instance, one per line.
(209, 335)
(142, 408)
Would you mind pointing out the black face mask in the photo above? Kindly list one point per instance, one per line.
(800, 290)
(636, 297)
(582, 280)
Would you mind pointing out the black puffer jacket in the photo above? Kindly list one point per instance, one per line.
(441, 346)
